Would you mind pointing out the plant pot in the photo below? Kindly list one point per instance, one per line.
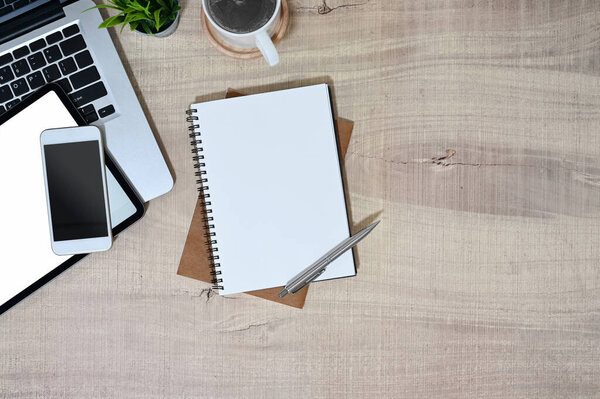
(168, 31)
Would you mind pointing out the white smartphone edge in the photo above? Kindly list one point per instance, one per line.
(74, 135)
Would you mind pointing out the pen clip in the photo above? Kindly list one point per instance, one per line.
(318, 274)
(307, 282)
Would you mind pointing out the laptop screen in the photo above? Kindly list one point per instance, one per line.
(25, 251)
(21, 16)
(13, 9)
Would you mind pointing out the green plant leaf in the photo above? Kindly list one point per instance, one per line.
(150, 15)
(112, 21)
(157, 23)
(146, 28)
(128, 19)
(138, 16)
(135, 5)
(133, 18)
(147, 8)
(163, 21)
(102, 6)
(120, 3)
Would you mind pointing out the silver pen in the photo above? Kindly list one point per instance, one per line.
(313, 271)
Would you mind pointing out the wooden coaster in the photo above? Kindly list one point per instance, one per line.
(245, 53)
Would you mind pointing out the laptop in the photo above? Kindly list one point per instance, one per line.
(44, 41)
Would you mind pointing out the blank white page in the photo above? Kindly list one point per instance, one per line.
(275, 186)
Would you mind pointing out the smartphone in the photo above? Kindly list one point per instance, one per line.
(76, 190)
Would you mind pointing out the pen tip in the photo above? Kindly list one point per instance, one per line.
(283, 293)
(372, 225)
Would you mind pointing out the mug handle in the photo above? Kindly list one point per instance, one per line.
(266, 47)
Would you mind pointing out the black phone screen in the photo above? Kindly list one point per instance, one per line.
(75, 190)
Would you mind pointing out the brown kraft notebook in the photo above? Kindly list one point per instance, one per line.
(195, 257)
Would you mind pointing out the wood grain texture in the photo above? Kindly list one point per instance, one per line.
(476, 141)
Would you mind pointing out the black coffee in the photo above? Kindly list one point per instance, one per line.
(241, 16)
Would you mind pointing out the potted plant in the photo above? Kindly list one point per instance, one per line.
(157, 18)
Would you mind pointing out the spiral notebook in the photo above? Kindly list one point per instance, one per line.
(269, 171)
(194, 261)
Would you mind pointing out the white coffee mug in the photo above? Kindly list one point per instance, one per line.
(260, 38)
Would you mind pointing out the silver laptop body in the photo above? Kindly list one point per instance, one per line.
(51, 41)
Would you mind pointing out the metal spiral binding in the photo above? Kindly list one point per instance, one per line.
(203, 194)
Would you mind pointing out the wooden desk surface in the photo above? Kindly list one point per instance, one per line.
(477, 144)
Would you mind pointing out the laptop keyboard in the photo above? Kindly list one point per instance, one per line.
(7, 6)
(59, 57)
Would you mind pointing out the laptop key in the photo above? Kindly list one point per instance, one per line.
(83, 59)
(20, 68)
(21, 52)
(5, 93)
(88, 94)
(51, 73)
(65, 85)
(88, 109)
(2, 110)
(5, 10)
(67, 66)
(5, 58)
(89, 113)
(11, 104)
(54, 37)
(108, 110)
(85, 77)
(6, 74)
(70, 30)
(19, 87)
(20, 3)
(72, 45)
(36, 61)
(52, 54)
(91, 117)
(36, 80)
(37, 45)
